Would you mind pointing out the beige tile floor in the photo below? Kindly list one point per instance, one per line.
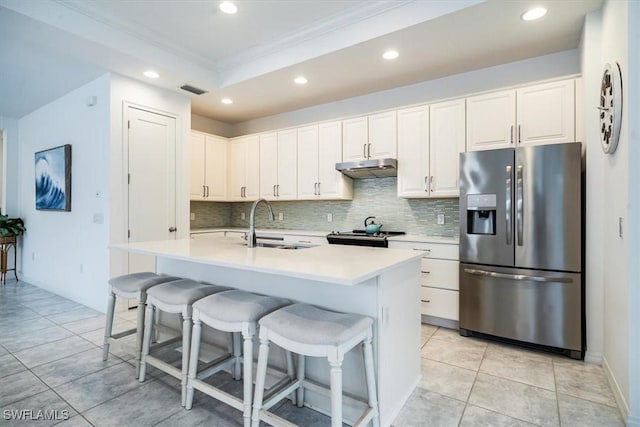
(50, 359)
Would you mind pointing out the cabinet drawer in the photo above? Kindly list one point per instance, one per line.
(431, 250)
(439, 303)
(440, 273)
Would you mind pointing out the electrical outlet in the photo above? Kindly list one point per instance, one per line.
(242, 215)
(440, 219)
(280, 216)
(193, 216)
(329, 217)
(33, 256)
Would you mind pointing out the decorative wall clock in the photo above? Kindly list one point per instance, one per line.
(610, 107)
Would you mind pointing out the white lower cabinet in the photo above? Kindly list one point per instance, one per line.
(439, 297)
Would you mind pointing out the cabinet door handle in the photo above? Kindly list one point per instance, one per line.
(207, 191)
(278, 190)
(364, 150)
(425, 272)
(369, 151)
(315, 188)
(431, 184)
(172, 229)
(318, 188)
(426, 251)
(204, 194)
(426, 184)
(274, 190)
(519, 134)
(425, 300)
(242, 191)
(511, 134)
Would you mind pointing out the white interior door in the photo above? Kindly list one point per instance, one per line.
(152, 181)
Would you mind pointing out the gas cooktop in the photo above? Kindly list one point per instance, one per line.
(361, 238)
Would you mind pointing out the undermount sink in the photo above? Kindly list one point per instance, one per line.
(279, 245)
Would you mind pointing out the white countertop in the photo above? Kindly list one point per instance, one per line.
(340, 264)
(271, 231)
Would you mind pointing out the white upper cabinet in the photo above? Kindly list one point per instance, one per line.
(446, 142)
(319, 149)
(532, 115)
(491, 120)
(208, 167)
(413, 152)
(244, 168)
(430, 140)
(278, 165)
(546, 113)
(370, 137)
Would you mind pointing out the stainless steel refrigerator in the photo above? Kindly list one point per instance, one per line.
(521, 245)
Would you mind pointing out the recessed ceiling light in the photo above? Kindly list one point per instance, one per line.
(533, 14)
(151, 74)
(390, 54)
(300, 80)
(226, 101)
(228, 7)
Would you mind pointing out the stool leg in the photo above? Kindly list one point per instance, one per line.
(236, 354)
(371, 379)
(139, 331)
(336, 393)
(111, 303)
(290, 373)
(193, 362)
(300, 391)
(261, 373)
(247, 376)
(186, 341)
(146, 341)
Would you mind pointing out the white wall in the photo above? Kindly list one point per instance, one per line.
(515, 73)
(633, 107)
(11, 165)
(215, 127)
(591, 74)
(608, 190)
(125, 91)
(65, 252)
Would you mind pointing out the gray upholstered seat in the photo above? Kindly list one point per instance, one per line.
(136, 282)
(131, 286)
(236, 312)
(238, 306)
(182, 292)
(314, 325)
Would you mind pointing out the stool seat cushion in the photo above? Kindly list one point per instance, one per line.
(308, 324)
(183, 292)
(238, 306)
(136, 282)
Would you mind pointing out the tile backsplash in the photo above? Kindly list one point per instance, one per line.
(371, 197)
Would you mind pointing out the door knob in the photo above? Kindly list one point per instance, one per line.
(172, 229)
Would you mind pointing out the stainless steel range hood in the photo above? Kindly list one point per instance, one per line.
(376, 168)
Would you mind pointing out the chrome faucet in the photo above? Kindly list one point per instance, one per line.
(252, 226)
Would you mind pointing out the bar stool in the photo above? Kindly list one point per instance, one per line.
(311, 331)
(236, 312)
(134, 285)
(173, 297)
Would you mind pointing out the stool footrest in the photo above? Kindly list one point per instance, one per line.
(218, 394)
(274, 420)
(164, 366)
(123, 334)
(216, 366)
(325, 391)
(281, 389)
(166, 343)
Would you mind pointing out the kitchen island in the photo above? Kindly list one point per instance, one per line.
(378, 282)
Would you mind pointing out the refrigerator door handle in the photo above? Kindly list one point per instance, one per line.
(521, 277)
(508, 205)
(519, 205)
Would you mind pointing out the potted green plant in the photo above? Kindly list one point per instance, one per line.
(10, 227)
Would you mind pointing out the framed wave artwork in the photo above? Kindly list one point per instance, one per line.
(53, 178)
